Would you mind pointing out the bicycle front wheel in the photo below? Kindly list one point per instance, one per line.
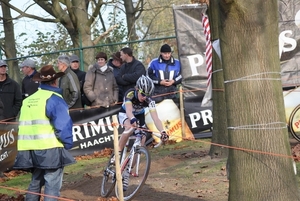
(109, 179)
(138, 173)
(294, 123)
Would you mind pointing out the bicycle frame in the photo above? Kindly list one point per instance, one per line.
(130, 156)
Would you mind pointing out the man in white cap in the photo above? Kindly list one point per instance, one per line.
(69, 83)
(28, 85)
(10, 93)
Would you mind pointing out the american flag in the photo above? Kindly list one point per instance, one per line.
(208, 48)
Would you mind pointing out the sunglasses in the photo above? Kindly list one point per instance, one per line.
(143, 93)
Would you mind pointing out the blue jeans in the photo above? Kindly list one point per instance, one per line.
(52, 179)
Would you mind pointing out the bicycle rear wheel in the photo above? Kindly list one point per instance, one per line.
(140, 169)
(294, 123)
(109, 178)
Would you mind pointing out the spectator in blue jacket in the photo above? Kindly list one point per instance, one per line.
(165, 71)
(45, 135)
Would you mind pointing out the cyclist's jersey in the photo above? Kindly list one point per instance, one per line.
(138, 107)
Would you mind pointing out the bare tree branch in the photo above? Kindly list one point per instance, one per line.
(138, 10)
(95, 13)
(96, 41)
(23, 14)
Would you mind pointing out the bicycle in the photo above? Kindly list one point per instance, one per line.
(136, 164)
(294, 123)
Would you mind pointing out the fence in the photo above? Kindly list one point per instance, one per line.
(143, 50)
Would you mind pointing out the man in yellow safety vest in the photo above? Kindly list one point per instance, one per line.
(45, 135)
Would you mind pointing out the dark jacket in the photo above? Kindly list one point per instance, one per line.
(1, 109)
(116, 71)
(10, 93)
(29, 86)
(129, 74)
(56, 109)
(81, 77)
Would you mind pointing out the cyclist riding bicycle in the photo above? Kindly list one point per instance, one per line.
(133, 110)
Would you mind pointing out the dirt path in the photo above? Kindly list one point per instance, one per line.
(184, 175)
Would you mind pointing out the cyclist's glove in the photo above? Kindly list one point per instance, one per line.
(164, 136)
(133, 120)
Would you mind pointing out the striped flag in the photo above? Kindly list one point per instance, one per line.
(208, 48)
(206, 101)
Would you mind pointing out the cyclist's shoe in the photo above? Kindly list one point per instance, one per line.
(125, 180)
(113, 159)
(132, 173)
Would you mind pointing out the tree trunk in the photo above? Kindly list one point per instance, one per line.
(80, 33)
(9, 43)
(130, 19)
(220, 134)
(255, 108)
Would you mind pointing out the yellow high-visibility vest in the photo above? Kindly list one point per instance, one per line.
(35, 130)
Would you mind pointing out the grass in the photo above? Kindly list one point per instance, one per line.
(71, 173)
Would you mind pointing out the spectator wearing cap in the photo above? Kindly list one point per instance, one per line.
(115, 63)
(10, 93)
(130, 71)
(165, 71)
(69, 83)
(100, 85)
(44, 137)
(28, 85)
(75, 67)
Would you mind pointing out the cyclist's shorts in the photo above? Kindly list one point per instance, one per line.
(141, 117)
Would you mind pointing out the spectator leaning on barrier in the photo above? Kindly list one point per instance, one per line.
(69, 83)
(45, 135)
(10, 93)
(115, 63)
(165, 71)
(75, 67)
(130, 71)
(100, 85)
(28, 85)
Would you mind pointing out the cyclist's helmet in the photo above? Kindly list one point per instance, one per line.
(145, 84)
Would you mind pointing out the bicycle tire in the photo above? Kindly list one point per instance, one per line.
(136, 182)
(294, 123)
(109, 179)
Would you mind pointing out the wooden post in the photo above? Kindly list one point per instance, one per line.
(117, 158)
(182, 113)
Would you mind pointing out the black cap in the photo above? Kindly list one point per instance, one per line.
(165, 48)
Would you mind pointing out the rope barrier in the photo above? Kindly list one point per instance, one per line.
(40, 194)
